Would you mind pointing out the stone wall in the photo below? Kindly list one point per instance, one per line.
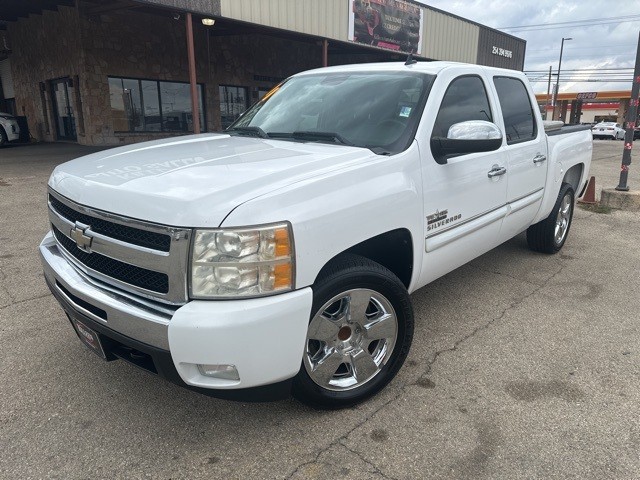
(256, 61)
(139, 45)
(134, 45)
(44, 47)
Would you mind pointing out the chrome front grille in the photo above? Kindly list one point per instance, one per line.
(139, 257)
(136, 236)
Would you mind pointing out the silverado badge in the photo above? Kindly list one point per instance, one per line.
(440, 218)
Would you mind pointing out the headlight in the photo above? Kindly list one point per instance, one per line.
(242, 262)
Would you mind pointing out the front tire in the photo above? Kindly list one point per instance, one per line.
(549, 235)
(359, 334)
(3, 138)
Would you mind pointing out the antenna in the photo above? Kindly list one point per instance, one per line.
(410, 60)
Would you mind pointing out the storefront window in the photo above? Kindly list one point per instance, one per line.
(233, 101)
(152, 106)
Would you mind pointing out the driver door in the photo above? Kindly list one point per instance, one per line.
(464, 199)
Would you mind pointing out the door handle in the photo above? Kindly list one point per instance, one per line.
(496, 171)
(539, 159)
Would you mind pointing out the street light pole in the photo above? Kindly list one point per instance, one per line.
(559, 67)
(546, 105)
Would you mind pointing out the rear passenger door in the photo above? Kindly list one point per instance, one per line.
(526, 150)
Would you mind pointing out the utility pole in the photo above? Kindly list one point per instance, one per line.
(632, 115)
(559, 67)
(546, 106)
(195, 103)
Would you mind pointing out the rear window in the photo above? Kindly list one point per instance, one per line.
(519, 121)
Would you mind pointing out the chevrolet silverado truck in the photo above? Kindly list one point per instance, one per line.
(277, 258)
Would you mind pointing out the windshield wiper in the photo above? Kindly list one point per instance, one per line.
(311, 135)
(253, 131)
(380, 151)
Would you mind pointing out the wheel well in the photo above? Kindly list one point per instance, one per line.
(573, 176)
(392, 250)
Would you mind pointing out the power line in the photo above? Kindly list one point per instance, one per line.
(572, 21)
(586, 48)
(595, 80)
(630, 69)
(524, 30)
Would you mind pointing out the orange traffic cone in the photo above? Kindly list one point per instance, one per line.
(589, 197)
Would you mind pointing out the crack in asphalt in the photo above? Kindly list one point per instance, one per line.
(18, 302)
(376, 469)
(3, 279)
(485, 326)
(503, 274)
(340, 440)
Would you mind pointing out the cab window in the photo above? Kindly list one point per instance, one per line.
(519, 122)
(465, 99)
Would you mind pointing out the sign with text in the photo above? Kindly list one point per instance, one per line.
(391, 24)
(501, 52)
(587, 95)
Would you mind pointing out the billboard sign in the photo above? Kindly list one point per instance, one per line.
(391, 24)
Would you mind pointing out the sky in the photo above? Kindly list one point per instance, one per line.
(605, 42)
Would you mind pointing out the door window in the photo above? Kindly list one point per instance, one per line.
(62, 94)
(517, 111)
(465, 99)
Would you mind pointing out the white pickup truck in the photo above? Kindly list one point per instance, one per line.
(277, 258)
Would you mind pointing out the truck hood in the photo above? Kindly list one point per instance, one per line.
(194, 181)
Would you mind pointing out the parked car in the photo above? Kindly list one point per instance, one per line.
(275, 259)
(609, 130)
(636, 133)
(9, 129)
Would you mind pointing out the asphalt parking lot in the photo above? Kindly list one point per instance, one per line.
(523, 366)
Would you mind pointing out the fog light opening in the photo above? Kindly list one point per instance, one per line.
(222, 371)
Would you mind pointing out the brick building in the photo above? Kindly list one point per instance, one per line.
(117, 71)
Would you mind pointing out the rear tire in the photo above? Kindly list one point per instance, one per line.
(359, 334)
(549, 235)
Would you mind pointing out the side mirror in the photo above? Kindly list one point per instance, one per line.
(473, 136)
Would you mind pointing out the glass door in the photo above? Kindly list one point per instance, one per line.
(62, 100)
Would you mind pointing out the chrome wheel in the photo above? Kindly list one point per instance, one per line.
(350, 339)
(562, 220)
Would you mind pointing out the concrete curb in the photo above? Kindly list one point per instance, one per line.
(613, 198)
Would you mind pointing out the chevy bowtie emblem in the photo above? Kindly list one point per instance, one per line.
(82, 239)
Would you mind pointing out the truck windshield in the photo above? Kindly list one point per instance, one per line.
(379, 111)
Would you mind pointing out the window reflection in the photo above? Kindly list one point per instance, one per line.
(152, 106)
(516, 109)
(233, 101)
(465, 99)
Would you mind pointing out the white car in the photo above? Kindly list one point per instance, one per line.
(609, 130)
(9, 129)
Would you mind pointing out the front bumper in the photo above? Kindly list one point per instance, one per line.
(263, 337)
(611, 136)
(12, 130)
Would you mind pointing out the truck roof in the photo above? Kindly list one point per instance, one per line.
(432, 68)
